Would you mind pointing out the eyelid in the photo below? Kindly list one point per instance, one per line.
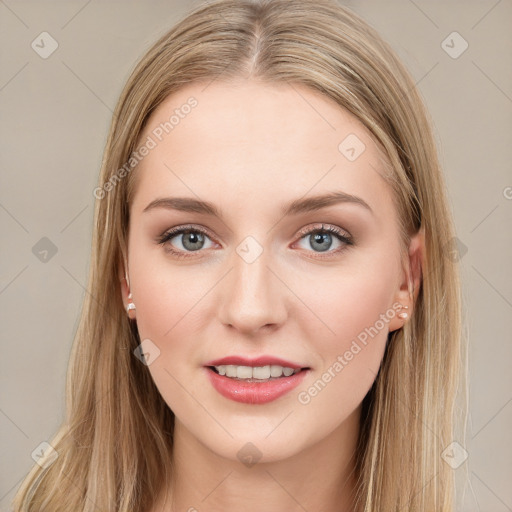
(321, 226)
(307, 230)
(178, 230)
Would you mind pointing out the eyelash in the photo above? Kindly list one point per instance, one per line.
(320, 228)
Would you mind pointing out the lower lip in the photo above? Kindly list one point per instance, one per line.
(254, 392)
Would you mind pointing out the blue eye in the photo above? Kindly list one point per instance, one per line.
(321, 238)
(192, 239)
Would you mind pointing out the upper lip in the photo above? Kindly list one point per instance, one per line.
(258, 361)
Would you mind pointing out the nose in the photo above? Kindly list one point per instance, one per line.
(253, 297)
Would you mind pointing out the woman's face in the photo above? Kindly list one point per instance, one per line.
(260, 278)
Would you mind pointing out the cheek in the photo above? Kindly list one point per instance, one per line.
(173, 304)
(166, 298)
(349, 304)
(349, 352)
(349, 331)
(169, 303)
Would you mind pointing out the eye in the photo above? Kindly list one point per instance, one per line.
(320, 238)
(188, 239)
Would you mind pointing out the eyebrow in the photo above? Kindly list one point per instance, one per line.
(296, 207)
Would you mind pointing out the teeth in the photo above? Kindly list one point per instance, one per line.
(243, 372)
(276, 370)
(230, 371)
(287, 371)
(257, 372)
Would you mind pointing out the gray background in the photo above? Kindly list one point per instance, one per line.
(55, 116)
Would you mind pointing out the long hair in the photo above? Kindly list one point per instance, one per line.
(114, 449)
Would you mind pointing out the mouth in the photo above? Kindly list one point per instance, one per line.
(255, 384)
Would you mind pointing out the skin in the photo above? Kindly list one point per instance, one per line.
(249, 148)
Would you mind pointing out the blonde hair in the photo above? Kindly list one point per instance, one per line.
(115, 445)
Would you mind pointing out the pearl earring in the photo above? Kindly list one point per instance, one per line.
(130, 305)
(403, 315)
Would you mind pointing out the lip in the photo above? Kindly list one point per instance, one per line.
(254, 392)
(258, 361)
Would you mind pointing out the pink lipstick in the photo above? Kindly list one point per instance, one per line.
(254, 381)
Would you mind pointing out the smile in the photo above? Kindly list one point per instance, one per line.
(258, 389)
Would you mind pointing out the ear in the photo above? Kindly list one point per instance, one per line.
(411, 280)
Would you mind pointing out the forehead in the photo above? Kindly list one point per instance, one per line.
(250, 141)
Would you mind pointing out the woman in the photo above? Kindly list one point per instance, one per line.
(273, 319)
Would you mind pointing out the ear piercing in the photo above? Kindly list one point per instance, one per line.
(130, 305)
(404, 314)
